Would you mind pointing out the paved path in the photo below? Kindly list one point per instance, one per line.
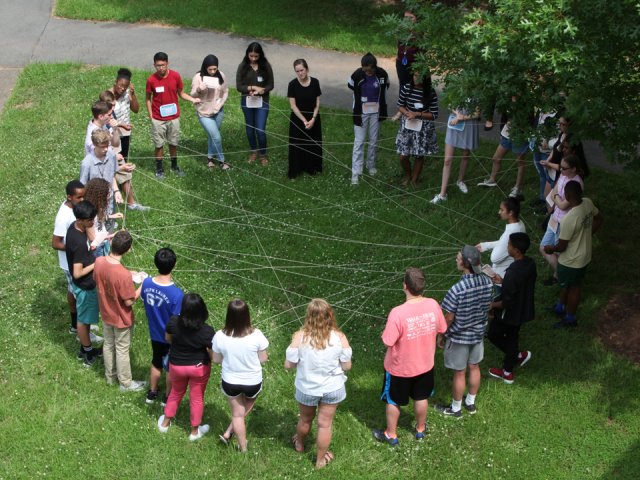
(28, 33)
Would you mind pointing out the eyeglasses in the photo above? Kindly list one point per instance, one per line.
(562, 169)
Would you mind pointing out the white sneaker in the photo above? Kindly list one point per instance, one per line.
(94, 327)
(134, 386)
(202, 431)
(93, 337)
(516, 193)
(488, 183)
(438, 199)
(462, 186)
(355, 180)
(138, 207)
(373, 172)
(160, 427)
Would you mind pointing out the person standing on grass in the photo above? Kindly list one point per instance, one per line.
(101, 163)
(241, 349)
(64, 219)
(410, 338)
(466, 305)
(189, 363)
(116, 295)
(162, 92)
(321, 354)
(514, 308)
(369, 84)
(162, 300)
(574, 247)
(81, 263)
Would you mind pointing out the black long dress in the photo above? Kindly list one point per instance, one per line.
(305, 146)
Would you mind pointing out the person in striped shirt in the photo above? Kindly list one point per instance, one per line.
(466, 306)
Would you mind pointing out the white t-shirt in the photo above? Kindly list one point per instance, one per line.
(319, 371)
(64, 219)
(240, 363)
(500, 258)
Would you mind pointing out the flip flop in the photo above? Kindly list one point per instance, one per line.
(211, 164)
(296, 444)
(224, 439)
(326, 460)
(252, 157)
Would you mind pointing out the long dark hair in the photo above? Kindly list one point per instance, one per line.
(427, 90)
(238, 321)
(194, 313)
(255, 47)
(210, 61)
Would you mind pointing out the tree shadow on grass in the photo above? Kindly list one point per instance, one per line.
(628, 466)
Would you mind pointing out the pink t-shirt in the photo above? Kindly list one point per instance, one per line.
(558, 213)
(410, 337)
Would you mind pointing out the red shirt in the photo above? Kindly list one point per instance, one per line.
(115, 285)
(410, 337)
(164, 91)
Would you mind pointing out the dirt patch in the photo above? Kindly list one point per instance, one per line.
(619, 327)
(23, 106)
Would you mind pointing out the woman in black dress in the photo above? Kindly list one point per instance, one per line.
(305, 130)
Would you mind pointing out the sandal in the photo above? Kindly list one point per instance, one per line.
(326, 460)
(264, 161)
(224, 439)
(252, 157)
(211, 164)
(225, 166)
(297, 445)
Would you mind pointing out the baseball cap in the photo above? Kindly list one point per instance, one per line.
(471, 257)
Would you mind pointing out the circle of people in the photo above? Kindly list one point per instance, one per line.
(495, 299)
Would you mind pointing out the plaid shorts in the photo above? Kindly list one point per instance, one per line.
(329, 398)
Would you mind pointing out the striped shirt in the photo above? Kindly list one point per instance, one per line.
(411, 99)
(469, 300)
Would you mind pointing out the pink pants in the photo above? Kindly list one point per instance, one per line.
(196, 377)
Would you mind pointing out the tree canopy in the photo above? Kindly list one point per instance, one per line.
(580, 57)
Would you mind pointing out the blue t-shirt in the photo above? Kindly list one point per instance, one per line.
(160, 303)
(370, 88)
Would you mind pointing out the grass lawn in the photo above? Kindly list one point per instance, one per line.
(347, 26)
(250, 232)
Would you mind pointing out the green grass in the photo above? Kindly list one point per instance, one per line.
(347, 26)
(572, 412)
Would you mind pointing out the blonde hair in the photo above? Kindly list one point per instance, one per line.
(100, 136)
(319, 322)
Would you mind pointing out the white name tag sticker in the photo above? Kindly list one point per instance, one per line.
(159, 89)
(418, 106)
(168, 110)
(370, 107)
(260, 78)
(414, 124)
(211, 82)
(254, 101)
(382, 81)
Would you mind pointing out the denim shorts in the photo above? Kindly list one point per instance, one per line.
(550, 237)
(330, 398)
(508, 144)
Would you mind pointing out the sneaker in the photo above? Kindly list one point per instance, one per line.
(523, 357)
(73, 330)
(160, 174)
(421, 435)
(355, 180)
(93, 337)
(138, 207)
(97, 352)
(134, 386)
(447, 411)
(177, 171)
(151, 397)
(373, 172)
(558, 310)
(488, 183)
(462, 186)
(501, 374)
(89, 359)
(516, 192)
(160, 427)
(163, 402)
(438, 199)
(564, 323)
(202, 431)
(469, 408)
(380, 436)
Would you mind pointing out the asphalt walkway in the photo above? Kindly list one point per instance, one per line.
(29, 33)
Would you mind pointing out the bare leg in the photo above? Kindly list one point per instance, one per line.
(83, 334)
(393, 415)
(173, 151)
(307, 414)
(127, 188)
(154, 378)
(551, 258)
(573, 299)
(521, 166)
(248, 406)
(497, 161)
(325, 421)
(406, 168)
(417, 168)
(449, 150)
(464, 163)
(420, 408)
(240, 407)
(459, 384)
(474, 379)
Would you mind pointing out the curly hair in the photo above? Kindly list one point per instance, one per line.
(319, 322)
(97, 191)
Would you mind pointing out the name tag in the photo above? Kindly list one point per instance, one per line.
(259, 78)
(382, 81)
(254, 101)
(168, 110)
(211, 82)
(418, 106)
(370, 107)
(159, 89)
(415, 124)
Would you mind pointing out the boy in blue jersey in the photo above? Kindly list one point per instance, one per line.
(162, 299)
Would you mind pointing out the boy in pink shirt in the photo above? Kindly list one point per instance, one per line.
(410, 338)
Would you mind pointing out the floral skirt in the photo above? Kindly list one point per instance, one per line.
(419, 144)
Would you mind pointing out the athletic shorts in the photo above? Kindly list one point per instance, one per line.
(398, 390)
(165, 131)
(458, 355)
(86, 305)
(69, 277)
(570, 277)
(508, 145)
(160, 352)
(329, 398)
(233, 391)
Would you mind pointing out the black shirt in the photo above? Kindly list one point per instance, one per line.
(189, 347)
(518, 288)
(77, 250)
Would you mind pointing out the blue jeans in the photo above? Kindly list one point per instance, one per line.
(537, 156)
(255, 120)
(211, 126)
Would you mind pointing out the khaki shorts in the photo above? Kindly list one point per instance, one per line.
(122, 177)
(165, 131)
(458, 355)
